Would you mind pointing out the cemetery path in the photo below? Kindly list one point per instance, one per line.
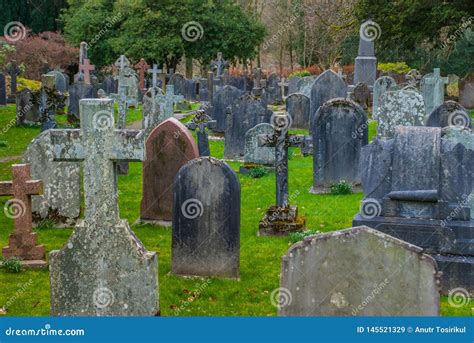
(10, 158)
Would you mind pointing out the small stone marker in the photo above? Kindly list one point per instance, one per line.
(206, 220)
(103, 270)
(22, 242)
(298, 107)
(282, 218)
(200, 122)
(450, 113)
(168, 147)
(357, 272)
(340, 130)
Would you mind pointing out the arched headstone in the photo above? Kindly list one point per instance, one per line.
(450, 113)
(223, 98)
(381, 86)
(298, 107)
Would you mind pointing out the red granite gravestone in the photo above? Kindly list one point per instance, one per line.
(22, 242)
(86, 67)
(168, 147)
(142, 67)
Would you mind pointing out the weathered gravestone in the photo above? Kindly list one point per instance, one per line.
(13, 70)
(103, 270)
(254, 153)
(223, 98)
(200, 123)
(22, 242)
(382, 85)
(179, 83)
(206, 220)
(168, 100)
(365, 67)
(298, 107)
(361, 95)
(327, 86)
(305, 84)
(77, 91)
(340, 130)
(466, 91)
(60, 82)
(432, 88)
(293, 84)
(152, 111)
(61, 198)
(246, 112)
(219, 65)
(110, 85)
(273, 89)
(3, 90)
(357, 272)
(27, 109)
(450, 113)
(403, 107)
(168, 147)
(416, 188)
(128, 77)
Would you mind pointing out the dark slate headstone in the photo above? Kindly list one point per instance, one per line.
(246, 112)
(179, 83)
(298, 106)
(110, 85)
(77, 91)
(293, 85)
(27, 109)
(340, 130)
(223, 98)
(190, 90)
(327, 86)
(206, 220)
(273, 90)
(168, 147)
(237, 82)
(3, 90)
(450, 113)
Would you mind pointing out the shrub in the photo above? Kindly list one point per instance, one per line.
(299, 236)
(395, 67)
(3, 144)
(11, 265)
(299, 73)
(23, 83)
(341, 188)
(258, 172)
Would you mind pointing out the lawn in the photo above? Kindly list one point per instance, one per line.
(27, 293)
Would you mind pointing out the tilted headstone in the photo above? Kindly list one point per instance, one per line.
(255, 154)
(61, 198)
(382, 85)
(403, 107)
(365, 67)
(357, 272)
(298, 107)
(27, 109)
(340, 130)
(103, 269)
(327, 86)
(361, 95)
(417, 188)
(246, 112)
(78, 91)
(22, 242)
(432, 88)
(223, 98)
(3, 90)
(168, 147)
(450, 113)
(206, 220)
(466, 91)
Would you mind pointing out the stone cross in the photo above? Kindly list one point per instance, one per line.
(220, 64)
(284, 86)
(122, 62)
(199, 123)
(168, 100)
(22, 242)
(13, 70)
(281, 140)
(123, 100)
(142, 67)
(154, 75)
(86, 67)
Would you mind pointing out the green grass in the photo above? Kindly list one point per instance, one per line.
(28, 292)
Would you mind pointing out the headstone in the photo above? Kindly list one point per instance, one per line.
(60, 81)
(27, 110)
(168, 147)
(223, 98)
(110, 85)
(365, 67)
(219, 65)
(305, 84)
(361, 95)
(293, 84)
(403, 107)
(152, 111)
(340, 130)
(357, 272)
(282, 218)
(432, 88)
(179, 83)
(128, 77)
(3, 90)
(283, 88)
(22, 242)
(273, 89)
(77, 91)
(257, 84)
(417, 188)
(450, 113)
(298, 107)
(168, 100)
(246, 112)
(103, 269)
(200, 123)
(254, 153)
(206, 220)
(61, 198)
(466, 91)
(13, 70)
(327, 86)
(86, 67)
(382, 85)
